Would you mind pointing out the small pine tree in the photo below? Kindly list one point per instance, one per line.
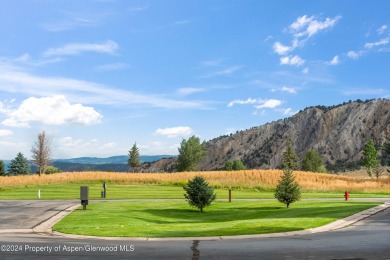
(290, 157)
(134, 160)
(19, 165)
(198, 193)
(2, 169)
(287, 191)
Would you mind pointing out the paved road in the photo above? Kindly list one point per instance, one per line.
(367, 239)
(24, 214)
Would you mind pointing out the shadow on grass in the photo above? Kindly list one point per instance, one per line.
(166, 216)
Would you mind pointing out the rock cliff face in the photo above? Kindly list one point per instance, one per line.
(338, 133)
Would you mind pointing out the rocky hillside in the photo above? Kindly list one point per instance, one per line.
(338, 133)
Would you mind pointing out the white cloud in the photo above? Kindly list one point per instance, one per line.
(285, 89)
(243, 102)
(305, 71)
(382, 29)
(289, 90)
(260, 103)
(5, 132)
(270, 103)
(301, 22)
(281, 49)
(112, 67)
(292, 60)
(15, 81)
(71, 147)
(189, 91)
(286, 111)
(55, 110)
(174, 132)
(76, 48)
(334, 61)
(354, 55)
(306, 26)
(370, 45)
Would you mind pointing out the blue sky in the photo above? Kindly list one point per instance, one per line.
(99, 76)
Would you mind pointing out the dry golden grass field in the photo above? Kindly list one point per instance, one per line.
(264, 179)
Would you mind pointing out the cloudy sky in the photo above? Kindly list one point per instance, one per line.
(100, 75)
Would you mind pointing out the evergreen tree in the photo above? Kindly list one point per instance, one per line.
(312, 162)
(287, 191)
(370, 157)
(2, 168)
(290, 158)
(134, 160)
(191, 152)
(19, 165)
(385, 160)
(198, 193)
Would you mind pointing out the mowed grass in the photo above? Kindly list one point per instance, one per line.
(71, 191)
(175, 218)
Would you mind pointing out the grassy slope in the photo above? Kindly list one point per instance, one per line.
(177, 219)
(115, 191)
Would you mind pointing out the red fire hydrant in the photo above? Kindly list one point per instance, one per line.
(346, 195)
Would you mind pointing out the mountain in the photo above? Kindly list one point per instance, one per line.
(121, 159)
(338, 133)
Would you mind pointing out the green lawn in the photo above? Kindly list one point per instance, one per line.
(174, 218)
(116, 191)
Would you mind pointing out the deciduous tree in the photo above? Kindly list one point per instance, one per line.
(385, 160)
(312, 162)
(370, 157)
(41, 152)
(191, 152)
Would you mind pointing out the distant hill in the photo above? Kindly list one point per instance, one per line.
(113, 163)
(121, 159)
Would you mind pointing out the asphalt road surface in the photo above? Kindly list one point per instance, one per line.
(367, 239)
(24, 214)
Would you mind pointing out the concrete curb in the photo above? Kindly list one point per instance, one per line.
(46, 227)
